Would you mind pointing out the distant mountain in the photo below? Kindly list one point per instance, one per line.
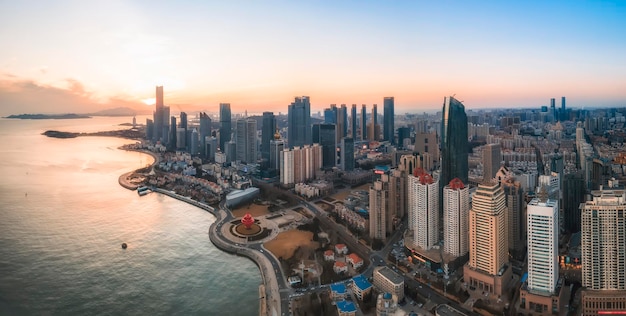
(120, 111)
(48, 116)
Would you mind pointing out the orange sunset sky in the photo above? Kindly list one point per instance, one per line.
(83, 56)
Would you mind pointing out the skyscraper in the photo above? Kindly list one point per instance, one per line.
(158, 115)
(325, 135)
(354, 126)
(398, 202)
(543, 246)
(225, 124)
(342, 122)
(492, 156)
(454, 142)
(205, 130)
(456, 202)
(267, 134)
(299, 164)
(299, 122)
(363, 122)
(388, 120)
(276, 147)
(347, 154)
(573, 195)
(488, 244)
(603, 252)
(246, 140)
(374, 122)
(423, 192)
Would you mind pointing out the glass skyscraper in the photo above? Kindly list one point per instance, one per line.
(388, 120)
(267, 134)
(299, 122)
(453, 142)
(225, 124)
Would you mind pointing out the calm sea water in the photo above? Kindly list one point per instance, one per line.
(63, 218)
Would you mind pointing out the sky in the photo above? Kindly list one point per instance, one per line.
(81, 56)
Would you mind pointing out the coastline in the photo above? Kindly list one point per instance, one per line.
(269, 284)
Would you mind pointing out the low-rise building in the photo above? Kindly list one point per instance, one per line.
(329, 255)
(361, 286)
(354, 260)
(386, 304)
(346, 308)
(341, 249)
(388, 281)
(338, 291)
(340, 267)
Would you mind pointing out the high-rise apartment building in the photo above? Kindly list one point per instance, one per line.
(225, 125)
(379, 196)
(267, 134)
(454, 148)
(603, 252)
(423, 192)
(299, 164)
(492, 156)
(487, 268)
(543, 246)
(388, 120)
(456, 205)
(299, 122)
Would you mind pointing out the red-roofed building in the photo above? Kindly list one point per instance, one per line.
(340, 266)
(354, 260)
(341, 249)
(329, 255)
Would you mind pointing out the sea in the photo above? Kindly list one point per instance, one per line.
(63, 218)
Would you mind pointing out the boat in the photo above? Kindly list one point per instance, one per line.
(143, 190)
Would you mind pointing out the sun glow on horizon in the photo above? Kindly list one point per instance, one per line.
(149, 101)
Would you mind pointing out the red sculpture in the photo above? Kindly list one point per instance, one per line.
(247, 220)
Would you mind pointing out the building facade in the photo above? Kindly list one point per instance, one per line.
(454, 142)
(543, 246)
(456, 205)
(388, 120)
(423, 193)
(225, 125)
(299, 122)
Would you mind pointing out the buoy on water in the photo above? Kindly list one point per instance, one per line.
(124, 245)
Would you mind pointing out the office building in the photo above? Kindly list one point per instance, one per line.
(456, 205)
(379, 197)
(492, 156)
(268, 130)
(299, 122)
(573, 195)
(342, 122)
(423, 207)
(363, 122)
(347, 154)
(276, 147)
(205, 130)
(326, 135)
(388, 120)
(487, 269)
(427, 143)
(225, 125)
(388, 281)
(516, 216)
(398, 203)
(454, 148)
(171, 143)
(158, 114)
(353, 119)
(246, 141)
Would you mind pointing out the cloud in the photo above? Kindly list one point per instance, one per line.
(43, 70)
(19, 96)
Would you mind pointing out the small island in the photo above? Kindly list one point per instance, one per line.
(133, 133)
(47, 116)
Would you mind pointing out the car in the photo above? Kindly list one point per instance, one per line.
(420, 305)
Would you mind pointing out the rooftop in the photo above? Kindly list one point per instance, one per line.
(346, 306)
(447, 310)
(390, 275)
(338, 288)
(361, 282)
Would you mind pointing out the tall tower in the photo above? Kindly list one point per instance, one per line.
(492, 157)
(454, 141)
(277, 145)
(388, 120)
(205, 130)
(398, 203)
(374, 121)
(347, 154)
(342, 122)
(516, 217)
(159, 97)
(267, 134)
(488, 247)
(363, 122)
(456, 204)
(379, 196)
(225, 124)
(299, 122)
(246, 140)
(543, 251)
(603, 245)
(325, 135)
(423, 205)
(353, 119)
(158, 115)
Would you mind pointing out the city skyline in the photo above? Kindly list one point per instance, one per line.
(259, 56)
